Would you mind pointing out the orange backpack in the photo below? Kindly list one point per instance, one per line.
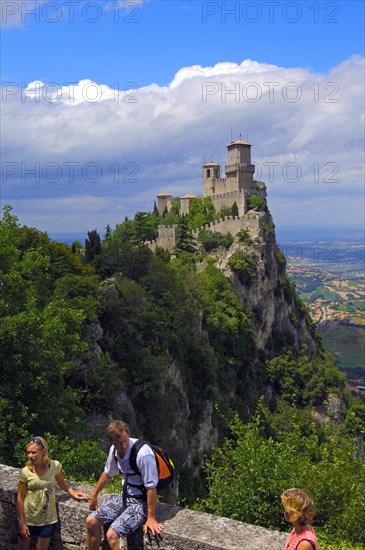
(165, 466)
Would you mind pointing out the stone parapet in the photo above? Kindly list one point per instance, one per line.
(184, 529)
(233, 224)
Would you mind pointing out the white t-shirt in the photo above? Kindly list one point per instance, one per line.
(146, 463)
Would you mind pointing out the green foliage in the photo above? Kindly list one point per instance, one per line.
(243, 266)
(82, 460)
(301, 381)
(280, 260)
(185, 241)
(47, 300)
(213, 240)
(248, 474)
(92, 245)
(255, 202)
(234, 209)
(225, 319)
(201, 211)
(244, 237)
(144, 227)
(268, 228)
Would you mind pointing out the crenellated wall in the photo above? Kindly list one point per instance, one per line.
(227, 199)
(233, 224)
(184, 528)
(167, 237)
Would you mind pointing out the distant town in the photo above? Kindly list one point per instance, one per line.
(334, 292)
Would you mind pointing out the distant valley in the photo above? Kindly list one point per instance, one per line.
(330, 276)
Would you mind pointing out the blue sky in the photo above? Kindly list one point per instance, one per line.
(106, 103)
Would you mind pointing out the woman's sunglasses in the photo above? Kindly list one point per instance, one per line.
(37, 441)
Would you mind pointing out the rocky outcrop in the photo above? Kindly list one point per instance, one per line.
(276, 313)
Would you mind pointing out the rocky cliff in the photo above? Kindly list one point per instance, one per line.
(181, 412)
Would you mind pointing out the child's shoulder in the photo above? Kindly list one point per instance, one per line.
(55, 464)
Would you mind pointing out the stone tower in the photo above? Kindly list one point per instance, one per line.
(211, 176)
(239, 170)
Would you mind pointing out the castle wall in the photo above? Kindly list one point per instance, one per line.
(184, 529)
(232, 224)
(167, 237)
(227, 199)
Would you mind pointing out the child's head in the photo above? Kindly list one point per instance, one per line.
(42, 444)
(298, 506)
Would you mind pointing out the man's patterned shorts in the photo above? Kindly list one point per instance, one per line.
(124, 521)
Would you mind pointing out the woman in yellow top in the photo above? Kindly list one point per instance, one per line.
(36, 498)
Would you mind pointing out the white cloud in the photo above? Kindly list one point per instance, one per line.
(306, 130)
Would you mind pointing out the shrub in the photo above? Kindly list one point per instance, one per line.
(243, 266)
(255, 202)
(268, 228)
(212, 240)
(244, 237)
(247, 475)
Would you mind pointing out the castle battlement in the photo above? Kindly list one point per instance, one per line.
(228, 194)
(168, 227)
(233, 224)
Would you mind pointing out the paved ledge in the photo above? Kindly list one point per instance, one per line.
(184, 529)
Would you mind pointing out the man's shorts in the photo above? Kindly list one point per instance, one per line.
(124, 521)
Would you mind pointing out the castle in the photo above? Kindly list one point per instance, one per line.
(236, 187)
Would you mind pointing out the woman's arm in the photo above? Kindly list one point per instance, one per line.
(77, 495)
(22, 489)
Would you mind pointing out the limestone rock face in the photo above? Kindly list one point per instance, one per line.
(277, 316)
(275, 311)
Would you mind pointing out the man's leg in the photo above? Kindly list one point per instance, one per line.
(128, 522)
(108, 511)
(93, 527)
(113, 539)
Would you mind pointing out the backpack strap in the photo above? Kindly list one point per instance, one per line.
(133, 455)
(133, 465)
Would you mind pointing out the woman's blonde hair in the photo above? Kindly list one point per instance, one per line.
(298, 505)
(42, 443)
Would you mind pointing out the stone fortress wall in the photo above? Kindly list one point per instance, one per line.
(233, 224)
(184, 529)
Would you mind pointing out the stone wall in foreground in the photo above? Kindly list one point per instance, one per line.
(184, 528)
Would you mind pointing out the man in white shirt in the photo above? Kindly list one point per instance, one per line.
(136, 502)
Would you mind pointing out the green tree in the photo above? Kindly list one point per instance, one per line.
(255, 202)
(247, 475)
(92, 245)
(184, 239)
(212, 240)
(244, 237)
(155, 210)
(234, 210)
(144, 227)
(243, 266)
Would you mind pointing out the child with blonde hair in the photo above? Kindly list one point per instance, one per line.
(36, 498)
(299, 510)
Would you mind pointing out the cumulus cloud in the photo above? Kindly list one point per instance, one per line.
(123, 145)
